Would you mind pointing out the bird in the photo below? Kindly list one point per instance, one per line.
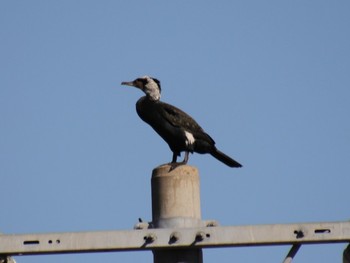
(177, 128)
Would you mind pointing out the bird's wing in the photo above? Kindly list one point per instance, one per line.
(178, 118)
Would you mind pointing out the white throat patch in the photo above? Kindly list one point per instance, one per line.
(152, 89)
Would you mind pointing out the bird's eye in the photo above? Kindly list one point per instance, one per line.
(143, 81)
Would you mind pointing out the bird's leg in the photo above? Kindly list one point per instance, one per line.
(174, 164)
(185, 158)
(174, 158)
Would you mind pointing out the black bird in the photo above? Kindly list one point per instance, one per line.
(178, 129)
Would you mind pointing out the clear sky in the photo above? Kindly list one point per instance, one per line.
(268, 80)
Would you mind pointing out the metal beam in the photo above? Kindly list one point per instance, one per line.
(151, 239)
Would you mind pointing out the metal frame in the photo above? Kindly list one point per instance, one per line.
(153, 239)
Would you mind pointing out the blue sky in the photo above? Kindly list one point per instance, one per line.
(268, 80)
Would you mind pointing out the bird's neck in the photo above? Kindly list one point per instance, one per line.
(153, 96)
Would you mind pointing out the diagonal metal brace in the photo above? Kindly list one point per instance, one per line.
(346, 255)
(292, 252)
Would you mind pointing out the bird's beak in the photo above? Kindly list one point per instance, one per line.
(128, 83)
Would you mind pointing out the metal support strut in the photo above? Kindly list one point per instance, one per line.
(292, 252)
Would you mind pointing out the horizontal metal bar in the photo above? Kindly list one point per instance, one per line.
(150, 239)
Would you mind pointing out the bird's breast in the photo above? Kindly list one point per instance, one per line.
(151, 113)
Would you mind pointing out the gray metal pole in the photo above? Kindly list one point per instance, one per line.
(346, 255)
(291, 254)
(176, 204)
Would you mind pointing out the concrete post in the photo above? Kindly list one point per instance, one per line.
(176, 204)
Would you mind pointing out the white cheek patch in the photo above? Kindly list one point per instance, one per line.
(190, 139)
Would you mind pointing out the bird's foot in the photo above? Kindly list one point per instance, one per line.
(173, 166)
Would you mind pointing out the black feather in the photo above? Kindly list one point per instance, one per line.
(177, 128)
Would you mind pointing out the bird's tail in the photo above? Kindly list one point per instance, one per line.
(225, 159)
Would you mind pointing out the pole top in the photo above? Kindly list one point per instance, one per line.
(181, 170)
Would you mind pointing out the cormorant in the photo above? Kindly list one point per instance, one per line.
(177, 128)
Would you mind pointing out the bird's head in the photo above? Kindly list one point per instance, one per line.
(150, 86)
